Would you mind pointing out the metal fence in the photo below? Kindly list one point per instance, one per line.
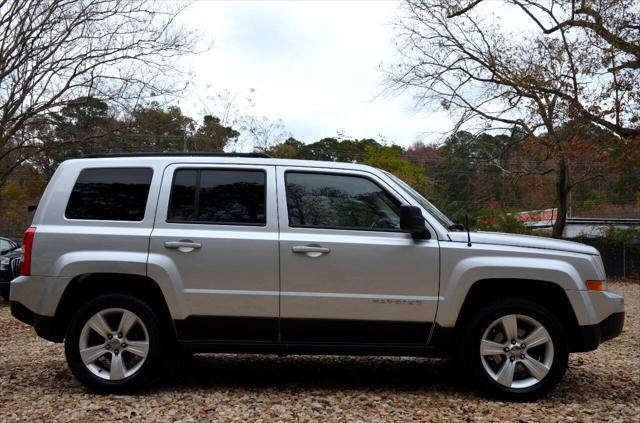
(621, 259)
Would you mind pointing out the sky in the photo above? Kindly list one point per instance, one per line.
(315, 65)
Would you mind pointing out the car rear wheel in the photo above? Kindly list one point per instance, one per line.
(113, 344)
(515, 349)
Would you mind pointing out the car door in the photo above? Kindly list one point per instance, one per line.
(349, 275)
(216, 239)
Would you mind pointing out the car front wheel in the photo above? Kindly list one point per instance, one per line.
(516, 349)
(113, 344)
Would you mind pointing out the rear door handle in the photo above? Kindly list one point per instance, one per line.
(310, 249)
(184, 246)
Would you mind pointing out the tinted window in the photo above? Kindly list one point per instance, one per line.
(110, 194)
(218, 197)
(183, 195)
(339, 201)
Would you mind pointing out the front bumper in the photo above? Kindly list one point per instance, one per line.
(600, 317)
(593, 335)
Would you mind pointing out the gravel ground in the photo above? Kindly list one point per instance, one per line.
(36, 385)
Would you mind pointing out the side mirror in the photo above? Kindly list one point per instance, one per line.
(412, 221)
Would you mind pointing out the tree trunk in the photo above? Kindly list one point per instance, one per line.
(562, 194)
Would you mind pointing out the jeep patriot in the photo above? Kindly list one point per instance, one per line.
(133, 259)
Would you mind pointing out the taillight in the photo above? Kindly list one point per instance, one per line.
(27, 247)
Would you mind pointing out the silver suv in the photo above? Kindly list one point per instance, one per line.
(133, 257)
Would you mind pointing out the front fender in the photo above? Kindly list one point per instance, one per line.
(458, 279)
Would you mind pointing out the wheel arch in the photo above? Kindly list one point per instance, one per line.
(545, 293)
(87, 286)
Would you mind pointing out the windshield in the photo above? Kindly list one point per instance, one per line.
(7, 246)
(430, 208)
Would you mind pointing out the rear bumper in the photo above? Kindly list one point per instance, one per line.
(594, 335)
(44, 325)
(40, 294)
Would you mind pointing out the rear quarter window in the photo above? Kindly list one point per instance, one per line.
(110, 194)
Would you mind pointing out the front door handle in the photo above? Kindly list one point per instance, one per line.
(310, 250)
(185, 246)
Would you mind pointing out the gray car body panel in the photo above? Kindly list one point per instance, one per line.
(462, 266)
(545, 243)
(250, 271)
(364, 276)
(234, 273)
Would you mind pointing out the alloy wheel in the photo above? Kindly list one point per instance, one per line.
(114, 343)
(516, 351)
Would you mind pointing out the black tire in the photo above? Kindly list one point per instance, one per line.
(152, 364)
(472, 362)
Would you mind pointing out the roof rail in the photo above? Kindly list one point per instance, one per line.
(177, 154)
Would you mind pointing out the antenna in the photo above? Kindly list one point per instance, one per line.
(466, 221)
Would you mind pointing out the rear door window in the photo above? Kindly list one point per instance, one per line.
(218, 196)
(110, 194)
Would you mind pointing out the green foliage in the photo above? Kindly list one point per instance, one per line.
(390, 159)
(21, 190)
(152, 128)
(464, 166)
(86, 126)
(499, 221)
(543, 232)
(289, 149)
(327, 149)
(13, 197)
(79, 128)
(332, 149)
(212, 135)
(616, 236)
(594, 199)
(488, 220)
(366, 151)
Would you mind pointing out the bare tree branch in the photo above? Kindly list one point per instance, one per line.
(549, 86)
(463, 10)
(53, 52)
